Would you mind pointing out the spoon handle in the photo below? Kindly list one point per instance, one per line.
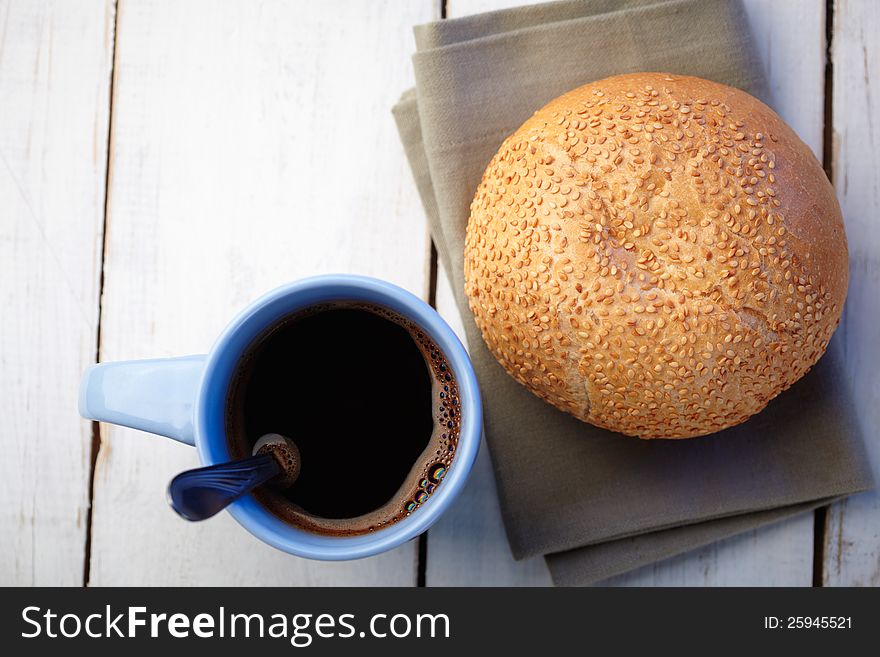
(199, 494)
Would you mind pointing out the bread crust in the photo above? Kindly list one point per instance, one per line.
(656, 254)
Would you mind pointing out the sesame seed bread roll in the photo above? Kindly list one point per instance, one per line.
(657, 255)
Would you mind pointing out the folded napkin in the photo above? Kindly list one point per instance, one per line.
(594, 502)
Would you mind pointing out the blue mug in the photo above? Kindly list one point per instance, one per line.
(184, 399)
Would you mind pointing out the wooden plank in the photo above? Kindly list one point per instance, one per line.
(456, 8)
(253, 145)
(779, 555)
(55, 60)
(794, 61)
(852, 548)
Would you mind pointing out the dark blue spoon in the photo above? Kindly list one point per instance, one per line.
(199, 494)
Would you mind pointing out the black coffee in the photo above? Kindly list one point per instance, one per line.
(369, 400)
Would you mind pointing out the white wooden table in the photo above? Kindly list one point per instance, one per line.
(163, 162)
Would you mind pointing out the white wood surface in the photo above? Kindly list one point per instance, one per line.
(253, 144)
(54, 81)
(779, 555)
(852, 548)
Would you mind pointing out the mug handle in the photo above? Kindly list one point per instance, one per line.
(156, 395)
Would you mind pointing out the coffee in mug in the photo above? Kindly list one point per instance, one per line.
(369, 399)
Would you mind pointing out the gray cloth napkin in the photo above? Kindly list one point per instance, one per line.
(594, 502)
